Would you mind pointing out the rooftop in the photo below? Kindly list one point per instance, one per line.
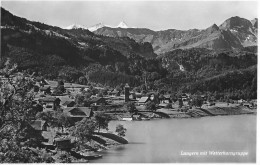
(85, 110)
(49, 99)
(143, 99)
(38, 124)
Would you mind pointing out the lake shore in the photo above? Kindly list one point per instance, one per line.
(214, 110)
(155, 144)
(185, 112)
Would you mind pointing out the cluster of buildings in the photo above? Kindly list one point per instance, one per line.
(115, 99)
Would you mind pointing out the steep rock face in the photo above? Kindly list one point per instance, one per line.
(234, 33)
(244, 30)
(255, 23)
(236, 22)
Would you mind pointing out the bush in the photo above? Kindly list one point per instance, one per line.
(120, 130)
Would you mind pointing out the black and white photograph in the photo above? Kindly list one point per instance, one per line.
(128, 81)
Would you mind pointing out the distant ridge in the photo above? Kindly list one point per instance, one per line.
(96, 26)
(233, 33)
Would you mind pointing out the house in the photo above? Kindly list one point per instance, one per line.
(65, 98)
(143, 100)
(69, 104)
(254, 102)
(127, 117)
(99, 101)
(35, 130)
(43, 82)
(39, 125)
(165, 99)
(241, 101)
(115, 93)
(163, 105)
(211, 103)
(45, 90)
(50, 102)
(49, 135)
(78, 113)
(138, 95)
(132, 96)
(184, 97)
(248, 105)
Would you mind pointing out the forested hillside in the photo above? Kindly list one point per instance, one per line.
(224, 71)
(80, 56)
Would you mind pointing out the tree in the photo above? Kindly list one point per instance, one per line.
(11, 152)
(150, 105)
(83, 80)
(17, 112)
(79, 100)
(65, 157)
(102, 120)
(63, 120)
(83, 131)
(70, 74)
(120, 130)
(161, 97)
(197, 101)
(60, 89)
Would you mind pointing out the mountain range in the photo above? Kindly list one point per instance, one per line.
(233, 33)
(96, 27)
(176, 60)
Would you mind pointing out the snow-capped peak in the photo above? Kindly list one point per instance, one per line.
(122, 25)
(75, 26)
(95, 27)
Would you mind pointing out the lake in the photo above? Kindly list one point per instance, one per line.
(186, 140)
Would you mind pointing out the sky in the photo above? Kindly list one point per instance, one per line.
(155, 15)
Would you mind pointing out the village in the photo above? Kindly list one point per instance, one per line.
(114, 102)
(80, 102)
